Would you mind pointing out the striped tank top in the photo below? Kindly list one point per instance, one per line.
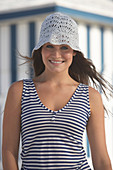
(53, 140)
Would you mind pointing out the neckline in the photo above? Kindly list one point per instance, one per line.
(66, 105)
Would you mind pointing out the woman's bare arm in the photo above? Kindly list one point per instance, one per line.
(96, 133)
(11, 127)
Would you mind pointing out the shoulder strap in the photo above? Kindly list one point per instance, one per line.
(26, 85)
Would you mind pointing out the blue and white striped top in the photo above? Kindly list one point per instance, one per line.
(53, 139)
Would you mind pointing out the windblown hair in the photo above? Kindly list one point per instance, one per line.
(81, 70)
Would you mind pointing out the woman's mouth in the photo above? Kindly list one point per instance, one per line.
(56, 61)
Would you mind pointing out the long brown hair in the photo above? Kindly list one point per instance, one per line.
(81, 70)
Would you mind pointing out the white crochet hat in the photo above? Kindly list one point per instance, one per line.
(59, 29)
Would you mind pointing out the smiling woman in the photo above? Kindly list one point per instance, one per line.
(52, 110)
(57, 55)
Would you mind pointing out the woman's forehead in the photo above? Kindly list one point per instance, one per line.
(56, 45)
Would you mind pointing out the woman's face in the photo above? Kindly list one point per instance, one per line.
(57, 58)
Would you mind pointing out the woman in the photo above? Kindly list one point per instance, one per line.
(52, 110)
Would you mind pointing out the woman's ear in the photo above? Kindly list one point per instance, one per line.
(74, 53)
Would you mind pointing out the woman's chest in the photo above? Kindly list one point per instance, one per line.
(55, 99)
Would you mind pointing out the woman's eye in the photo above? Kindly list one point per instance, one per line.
(64, 48)
(49, 46)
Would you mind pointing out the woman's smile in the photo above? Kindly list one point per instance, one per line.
(56, 62)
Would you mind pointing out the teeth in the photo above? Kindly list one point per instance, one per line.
(57, 62)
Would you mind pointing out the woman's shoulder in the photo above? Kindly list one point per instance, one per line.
(14, 94)
(15, 89)
(95, 98)
(18, 85)
(93, 93)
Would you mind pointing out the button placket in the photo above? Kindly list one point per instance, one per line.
(53, 115)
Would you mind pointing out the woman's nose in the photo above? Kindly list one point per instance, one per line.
(57, 54)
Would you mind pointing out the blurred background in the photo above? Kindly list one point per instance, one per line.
(20, 22)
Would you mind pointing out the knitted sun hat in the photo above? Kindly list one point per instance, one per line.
(59, 29)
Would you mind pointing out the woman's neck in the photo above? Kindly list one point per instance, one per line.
(55, 78)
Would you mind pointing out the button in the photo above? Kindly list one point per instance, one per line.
(53, 118)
